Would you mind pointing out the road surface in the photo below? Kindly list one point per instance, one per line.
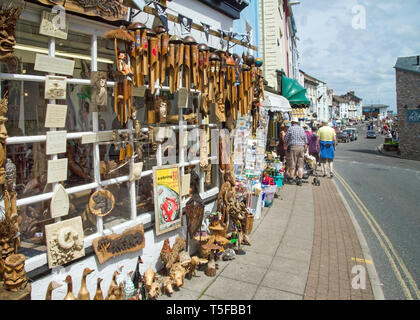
(383, 193)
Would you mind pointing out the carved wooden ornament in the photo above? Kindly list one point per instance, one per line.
(59, 205)
(101, 202)
(107, 247)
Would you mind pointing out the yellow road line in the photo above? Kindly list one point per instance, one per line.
(358, 203)
(399, 260)
(361, 260)
(391, 247)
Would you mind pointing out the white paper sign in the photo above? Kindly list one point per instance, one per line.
(182, 98)
(59, 205)
(56, 116)
(136, 170)
(57, 170)
(185, 186)
(89, 138)
(53, 65)
(104, 136)
(56, 142)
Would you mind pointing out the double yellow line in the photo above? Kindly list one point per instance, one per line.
(385, 243)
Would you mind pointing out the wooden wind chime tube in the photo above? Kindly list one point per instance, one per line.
(194, 65)
(153, 62)
(164, 56)
(171, 66)
(186, 74)
(179, 66)
(144, 53)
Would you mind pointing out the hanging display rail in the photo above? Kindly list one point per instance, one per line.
(198, 27)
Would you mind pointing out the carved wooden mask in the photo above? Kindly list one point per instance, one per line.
(8, 18)
(14, 272)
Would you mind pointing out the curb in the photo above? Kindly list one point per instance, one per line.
(373, 275)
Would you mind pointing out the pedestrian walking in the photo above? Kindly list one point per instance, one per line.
(281, 144)
(296, 147)
(313, 144)
(327, 141)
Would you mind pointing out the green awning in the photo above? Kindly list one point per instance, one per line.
(294, 92)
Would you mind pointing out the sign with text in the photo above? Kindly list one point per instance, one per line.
(413, 115)
(57, 170)
(53, 65)
(56, 116)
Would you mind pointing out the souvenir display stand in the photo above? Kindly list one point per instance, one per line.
(117, 143)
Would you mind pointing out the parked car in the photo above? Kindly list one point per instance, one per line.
(352, 133)
(343, 137)
(371, 135)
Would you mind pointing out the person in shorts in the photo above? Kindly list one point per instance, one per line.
(327, 141)
(297, 142)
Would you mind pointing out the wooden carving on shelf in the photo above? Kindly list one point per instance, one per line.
(9, 14)
(112, 10)
(107, 247)
(194, 208)
(14, 273)
(101, 202)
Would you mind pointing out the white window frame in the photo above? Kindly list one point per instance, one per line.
(32, 13)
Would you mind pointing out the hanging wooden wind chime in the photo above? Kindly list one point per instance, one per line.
(124, 74)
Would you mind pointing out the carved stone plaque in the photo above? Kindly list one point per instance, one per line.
(64, 241)
(59, 205)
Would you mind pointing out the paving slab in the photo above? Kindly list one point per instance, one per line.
(297, 267)
(266, 293)
(285, 281)
(255, 259)
(303, 254)
(229, 289)
(244, 272)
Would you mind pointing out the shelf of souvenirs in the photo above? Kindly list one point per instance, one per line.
(147, 218)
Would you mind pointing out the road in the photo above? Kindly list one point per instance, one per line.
(383, 193)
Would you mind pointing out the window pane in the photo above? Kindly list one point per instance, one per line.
(31, 166)
(122, 207)
(144, 198)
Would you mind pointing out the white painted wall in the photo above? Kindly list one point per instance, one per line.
(197, 11)
(272, 39)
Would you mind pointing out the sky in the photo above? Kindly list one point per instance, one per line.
(353, 45)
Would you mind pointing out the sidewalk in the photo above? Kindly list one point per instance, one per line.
(303, 247)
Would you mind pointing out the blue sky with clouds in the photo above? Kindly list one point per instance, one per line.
(335, 48)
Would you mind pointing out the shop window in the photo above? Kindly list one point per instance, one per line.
(27, 134)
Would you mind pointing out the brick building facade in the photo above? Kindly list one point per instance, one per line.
(408, 99)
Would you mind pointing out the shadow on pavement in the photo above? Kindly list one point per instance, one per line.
(364, 151)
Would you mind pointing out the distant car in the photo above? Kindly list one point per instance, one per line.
(371, 135)
(343, 137)
(352, 132)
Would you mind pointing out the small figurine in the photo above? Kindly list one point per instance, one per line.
(84, 293)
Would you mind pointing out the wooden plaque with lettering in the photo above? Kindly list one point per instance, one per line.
(107, 247)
